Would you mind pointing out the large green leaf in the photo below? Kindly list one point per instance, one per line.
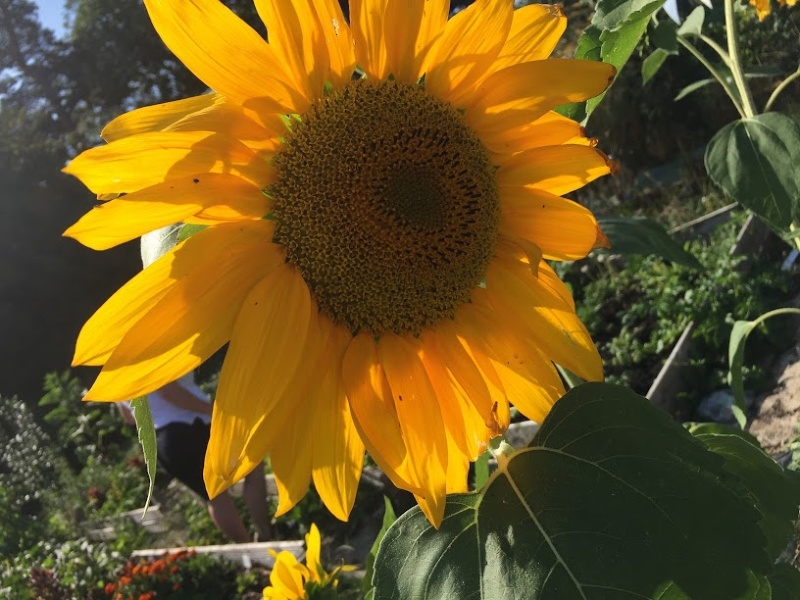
(739, 334)
(611, 500)
(785, 583)
(616, 28)
(755, 162)
(388, 519)
(637, 235)
(147, 438)
(693, 24)
(772, 490)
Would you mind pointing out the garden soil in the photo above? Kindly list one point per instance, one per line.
(775, 425)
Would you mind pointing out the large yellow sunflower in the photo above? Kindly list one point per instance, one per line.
(375, 245)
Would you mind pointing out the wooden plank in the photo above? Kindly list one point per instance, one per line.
(670, 379)
(255, 553)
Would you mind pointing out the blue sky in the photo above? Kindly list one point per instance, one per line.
(51, 14)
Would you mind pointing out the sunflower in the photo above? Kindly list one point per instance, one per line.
(763, 8)
(380, 199)
(289, 580)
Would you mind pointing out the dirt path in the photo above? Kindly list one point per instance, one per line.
(775, 426)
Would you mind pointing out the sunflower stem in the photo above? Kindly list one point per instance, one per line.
(780, 88)
(502, 453)
(736, 64)
(711, 43)
(715, 73)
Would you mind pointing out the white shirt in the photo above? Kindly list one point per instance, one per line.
(165, 412)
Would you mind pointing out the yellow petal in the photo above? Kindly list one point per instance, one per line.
(554, 169)
(338, 452)
(226, 54)
(411, 30)
(762, 7)
(420, 420)
(366, 18)
(471, 42)
(549, 279)
(534, 33)
(339, 40)
(291, 464)
(266, 351)
(106, 328)
(313, 548)
(522, 301)
(457, 468)
(449, 404)
(461, 365)
(527, 377)
(195, 317)
(139, 161)
(522, 93)
(562, 229)
(157, 117)
(210, 112)
(286, 578)
(163, 204)
(373, 410)
(295, 37)
(551, 129)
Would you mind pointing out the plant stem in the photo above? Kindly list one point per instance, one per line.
(736, 65)
(718, 49)
(780, 88)
(716, 74)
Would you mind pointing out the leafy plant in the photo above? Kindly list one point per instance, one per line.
(29, 470)
(182, 575)
(637, 312)
(85, 429)
(610, 499)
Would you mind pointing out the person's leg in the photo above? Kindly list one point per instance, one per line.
(255, 497)
(225, 516)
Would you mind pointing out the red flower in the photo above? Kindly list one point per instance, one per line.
(110, 587)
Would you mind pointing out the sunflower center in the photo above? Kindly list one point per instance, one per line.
(387, 204)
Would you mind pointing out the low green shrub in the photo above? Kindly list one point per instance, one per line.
(637, 310)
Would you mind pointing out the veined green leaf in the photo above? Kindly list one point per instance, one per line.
(693, 25)
(755, 162)
(773, 491)
(616, 28)
(388, 519)
(638, 235)
(147, 438)
(739, 334)
(612, 499)
(785, 582)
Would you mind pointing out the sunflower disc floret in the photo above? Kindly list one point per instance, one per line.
(410, 212)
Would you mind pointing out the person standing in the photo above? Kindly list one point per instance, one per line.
(182, 419)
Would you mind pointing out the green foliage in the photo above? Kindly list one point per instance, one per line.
(30, 469)
(86, 429)
(755, 161)
(78, 569)
(388, 519)
(616, 28)
(636, 314)
(774, 492)
(611, 499)
(147, 438)
(638, 235)
(739, 334)
(180, 575)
